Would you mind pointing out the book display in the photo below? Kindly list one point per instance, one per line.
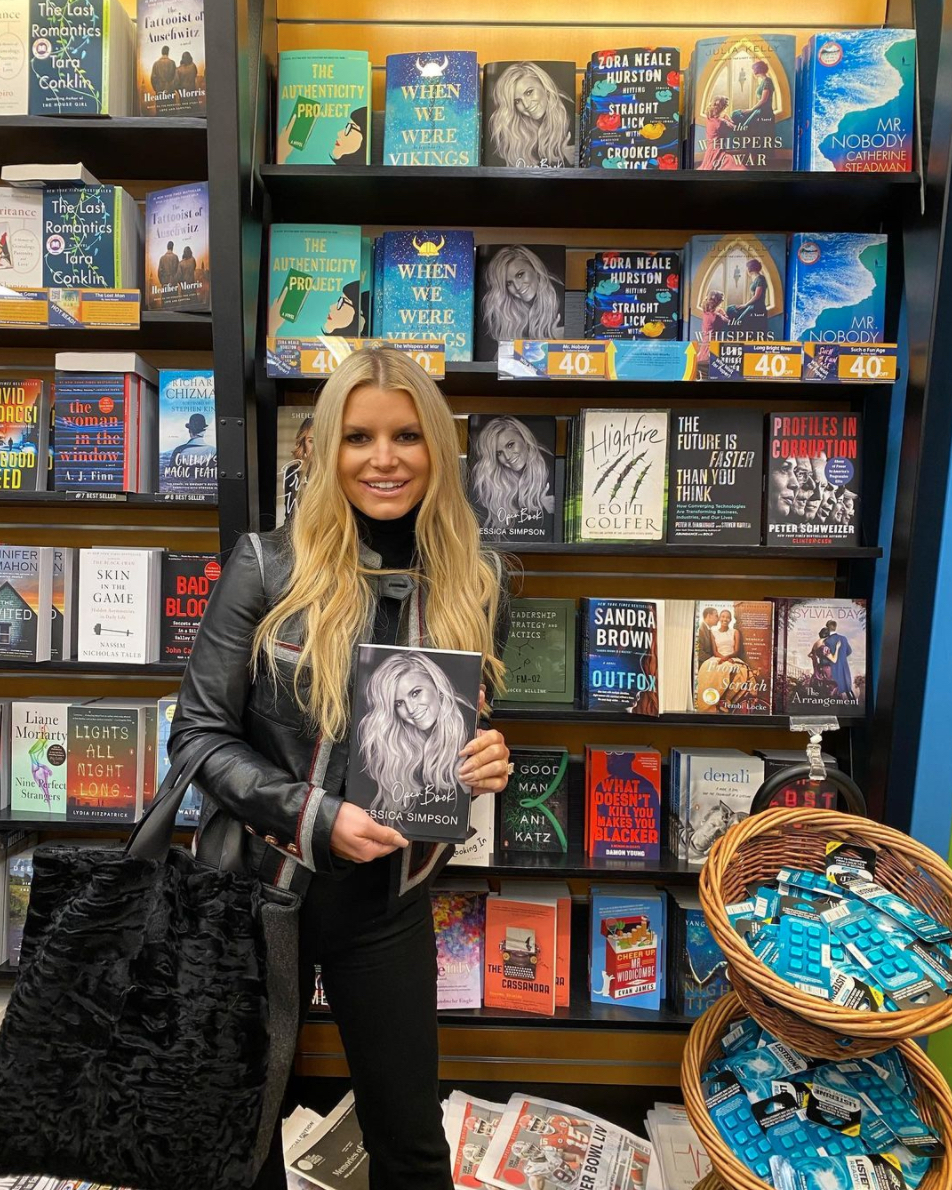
(690, 568)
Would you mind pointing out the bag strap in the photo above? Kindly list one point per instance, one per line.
(152, 836)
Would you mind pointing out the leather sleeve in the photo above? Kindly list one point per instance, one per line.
(292, 815)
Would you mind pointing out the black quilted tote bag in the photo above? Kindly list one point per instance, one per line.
(152, 1026)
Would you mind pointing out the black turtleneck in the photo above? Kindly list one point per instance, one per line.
(395, 541)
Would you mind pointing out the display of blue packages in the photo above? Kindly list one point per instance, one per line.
(853, 1172)
(808, 882)
(744, 1035)
(917, 920)
(836, 287)
(733, 1117)
(804, 958)
(914, 1168)
(897, 1113)
(772, 1061)
(857, 100)
(790, 1130)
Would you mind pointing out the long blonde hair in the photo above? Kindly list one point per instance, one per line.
(329, 588)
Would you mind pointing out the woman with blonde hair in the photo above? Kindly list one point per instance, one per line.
(510, 477)
(383, 548)
(521, 300)
(530, 125)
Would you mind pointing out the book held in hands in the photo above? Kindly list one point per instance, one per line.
(414, 710)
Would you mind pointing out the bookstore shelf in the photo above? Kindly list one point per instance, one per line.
(110, 147)
(155, 669)
(581, 1013)
(575, 866)
(135, 499)
(160, 330)
(609, 549)
(489, 197)
(22, 820)
(553, 713)
(479, 378)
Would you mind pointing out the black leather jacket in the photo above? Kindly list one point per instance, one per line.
(274, 774)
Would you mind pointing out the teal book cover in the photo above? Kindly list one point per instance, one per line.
(432, 115)
(314, 281)
(428, 288)
(82, 237)
(69, 58)
(324, 107)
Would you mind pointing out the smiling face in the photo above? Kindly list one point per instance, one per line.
(511, 452)
(530, 100)
(416, 701)
(724, 620)
(383, 463)
(521, 281)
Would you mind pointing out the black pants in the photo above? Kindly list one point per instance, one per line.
(379, 970)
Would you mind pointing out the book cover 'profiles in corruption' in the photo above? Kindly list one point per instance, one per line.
(814, 479)
(414, 711)
(512, 476)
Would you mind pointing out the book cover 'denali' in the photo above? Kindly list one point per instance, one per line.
(512, 476)
(414, 710)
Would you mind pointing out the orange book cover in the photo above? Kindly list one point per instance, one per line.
(556, 891)
(520, 956)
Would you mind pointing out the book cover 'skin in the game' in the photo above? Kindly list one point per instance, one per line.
(414, 710)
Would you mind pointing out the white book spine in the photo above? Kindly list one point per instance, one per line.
(15, 57)
(117, 604)
(477, 851)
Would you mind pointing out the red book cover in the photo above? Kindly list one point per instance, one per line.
(521, 942)
(187, 584)
(623, 803)
(102, 763)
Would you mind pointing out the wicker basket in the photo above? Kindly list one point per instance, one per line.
(934, 1101)
(754, 851)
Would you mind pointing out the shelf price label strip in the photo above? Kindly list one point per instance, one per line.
(849, 363)
(552, 359)
(756, 361)
(61, 309)
(322, 356)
